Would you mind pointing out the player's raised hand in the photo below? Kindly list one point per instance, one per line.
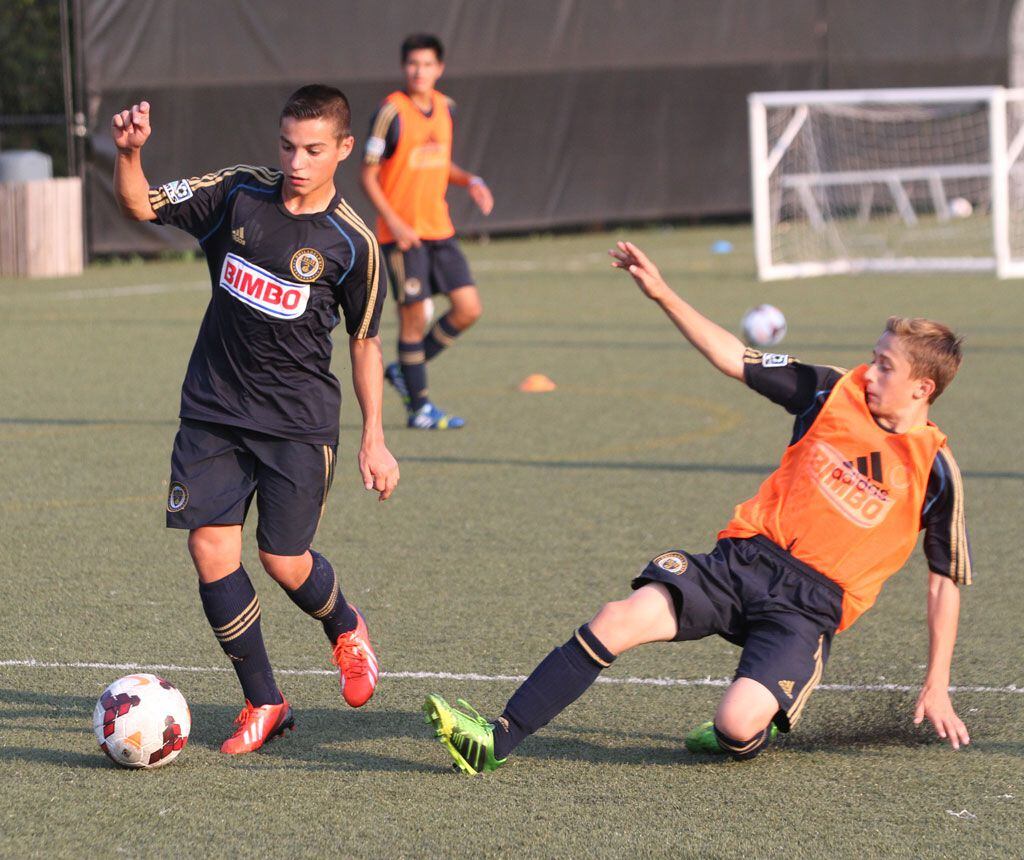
(130, 128)
(627, 256)
(481, 195)
(935, 705)
(379, 469)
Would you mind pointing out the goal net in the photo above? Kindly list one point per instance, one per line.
(888, 180)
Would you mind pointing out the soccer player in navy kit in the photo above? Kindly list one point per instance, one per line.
(259, 405)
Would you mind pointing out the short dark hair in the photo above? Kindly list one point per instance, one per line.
(419, 41)
(316, 101)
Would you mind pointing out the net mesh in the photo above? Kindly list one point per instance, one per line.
(874, 182)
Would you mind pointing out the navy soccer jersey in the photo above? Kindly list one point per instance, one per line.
(802, 389)
(280, 285)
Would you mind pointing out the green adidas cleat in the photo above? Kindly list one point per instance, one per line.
(703, 740)
(468, 738)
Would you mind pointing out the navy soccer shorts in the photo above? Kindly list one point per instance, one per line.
(752, 593)
(419, 273)
(217, 469)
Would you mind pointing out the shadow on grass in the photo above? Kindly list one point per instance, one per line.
(871, 724)
(324, 739)
(711, 468)
(86, 423)
(502, 462)
(602, 344)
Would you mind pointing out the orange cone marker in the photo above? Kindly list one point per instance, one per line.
(537, 382)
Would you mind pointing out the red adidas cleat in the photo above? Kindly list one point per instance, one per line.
(354, 656)
(257, 726)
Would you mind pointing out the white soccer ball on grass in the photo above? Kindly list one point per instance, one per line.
(142, 721)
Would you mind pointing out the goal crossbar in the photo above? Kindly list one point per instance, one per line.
(807, 189)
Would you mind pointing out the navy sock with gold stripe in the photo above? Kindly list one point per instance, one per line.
(560, 679)
(743, 750)
(320, 597)
(441, 335)
(413, 361)
(233, 610)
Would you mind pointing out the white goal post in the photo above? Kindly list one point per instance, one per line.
(888, 180)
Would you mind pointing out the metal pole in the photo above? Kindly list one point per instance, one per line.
(80, 127)
(69, 108)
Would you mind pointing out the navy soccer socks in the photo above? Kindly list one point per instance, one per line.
(412, 359)
(320, 597)
(560, 679)
(233, 610)
(745, 749)
(441, 335)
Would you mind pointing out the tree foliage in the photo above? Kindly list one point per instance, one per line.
(30, 77)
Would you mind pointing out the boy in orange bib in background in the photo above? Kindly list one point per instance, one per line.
(865, 471)
(407, 167)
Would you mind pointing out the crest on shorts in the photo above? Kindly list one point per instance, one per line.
(673, 562)
(307, 264)
(177, 497)
(413, 286)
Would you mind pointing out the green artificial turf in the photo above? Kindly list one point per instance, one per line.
(501, 539)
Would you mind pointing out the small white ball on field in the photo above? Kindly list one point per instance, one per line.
(960, 207)
(764, 325)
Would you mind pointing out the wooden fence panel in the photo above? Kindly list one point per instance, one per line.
(41, 228)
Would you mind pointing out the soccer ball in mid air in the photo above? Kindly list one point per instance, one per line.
(764, 326)
(141, 721)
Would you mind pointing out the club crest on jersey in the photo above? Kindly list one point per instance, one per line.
(178, 191)
(856, 496)
(307, 264)
(257, 287)
(177, 497)
(673, 562)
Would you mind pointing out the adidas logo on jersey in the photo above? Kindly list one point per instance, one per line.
(850, 491)
(260, 289)
(238, 235)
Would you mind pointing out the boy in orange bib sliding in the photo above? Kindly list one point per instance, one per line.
(864, 473)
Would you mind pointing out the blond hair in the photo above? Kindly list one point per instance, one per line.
(933, 349)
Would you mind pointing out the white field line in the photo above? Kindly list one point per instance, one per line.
(473, 676)
(581, 263)
(573, 264)
(133, 290)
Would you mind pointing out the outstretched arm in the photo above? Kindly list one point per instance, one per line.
(934, 702)
(130, 130)
(722, 348)
(378, 467)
